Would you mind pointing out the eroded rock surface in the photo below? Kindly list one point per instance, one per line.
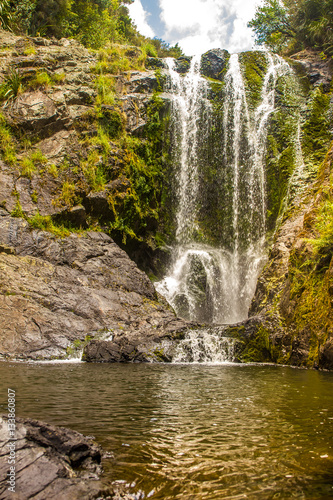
(55, 291)
(318, 70)
(51, 463)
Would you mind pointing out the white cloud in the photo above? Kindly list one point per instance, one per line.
(200, 25)
(139, 16)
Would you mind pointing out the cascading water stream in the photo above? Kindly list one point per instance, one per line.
(216, 284)
(189, 96)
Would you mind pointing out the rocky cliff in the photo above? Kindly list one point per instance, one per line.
(291, 313)
(63, 180)
(86, 165)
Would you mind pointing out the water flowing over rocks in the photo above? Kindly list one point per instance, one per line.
(290, 322)
(212, 280)
(238, 140)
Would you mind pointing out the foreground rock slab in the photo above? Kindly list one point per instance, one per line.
(51, 463)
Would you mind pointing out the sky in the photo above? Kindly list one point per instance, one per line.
(197, 25)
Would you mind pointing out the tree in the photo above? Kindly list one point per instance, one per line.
(272, 25)
(294, 24)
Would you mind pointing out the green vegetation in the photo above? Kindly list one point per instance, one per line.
(292, 25)
(12, 85)
(95, 23)
(41, 80)
(130, 167)
(93, 170)
(7, 143)
(27, 167)
(316, 130)
(258, 347)
(68, 193)
(254, 66)
(310, 286)
(5, 14)
(118, 59)
(105, 88)
(18, 212)
(31, 163)
(45, 223)
(30, 51)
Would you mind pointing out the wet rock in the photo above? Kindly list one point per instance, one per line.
(326, 355)
(182, 64)
(51, 462)
(134, 106)
(213, 63)
(76, 217)
(156, 347)
(286, 329)
(7, 186)
(142, 82)
(99, 204)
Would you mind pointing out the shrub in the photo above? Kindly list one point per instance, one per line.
(12, 85)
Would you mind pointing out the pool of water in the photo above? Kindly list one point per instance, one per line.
(192, 431)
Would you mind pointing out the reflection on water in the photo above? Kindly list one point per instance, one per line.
(193, 431)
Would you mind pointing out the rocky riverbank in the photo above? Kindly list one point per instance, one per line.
(53, 463)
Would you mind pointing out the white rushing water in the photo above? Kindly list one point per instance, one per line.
(205, 346)
(189, 96)
(207, 284)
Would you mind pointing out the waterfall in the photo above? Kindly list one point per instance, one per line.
(189, 99)
(215, 283)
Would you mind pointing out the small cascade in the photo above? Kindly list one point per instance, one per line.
(206, 283)
(205, 346)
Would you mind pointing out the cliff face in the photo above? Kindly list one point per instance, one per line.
(65, 175)
(291, 313)
(292, 307)
(59, 294)
(290, 319)
(85, 146)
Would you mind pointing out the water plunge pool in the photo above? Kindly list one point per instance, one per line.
(192, 431)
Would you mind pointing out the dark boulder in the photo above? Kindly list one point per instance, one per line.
(214, 62)
(182, 64)
(50, 462)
